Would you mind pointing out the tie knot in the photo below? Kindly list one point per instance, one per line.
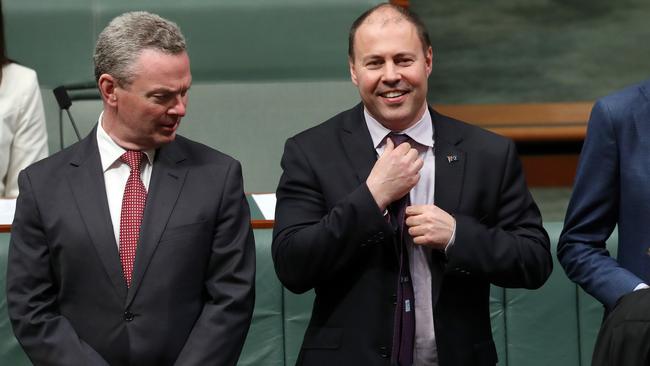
(133, 159)
(399, 138)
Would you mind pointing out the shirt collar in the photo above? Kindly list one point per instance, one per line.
(110, 152)
(421, 132)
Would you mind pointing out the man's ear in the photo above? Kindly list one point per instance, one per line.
(107, 88)
(428, 59)
(353, 73)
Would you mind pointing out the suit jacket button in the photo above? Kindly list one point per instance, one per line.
(128, 316)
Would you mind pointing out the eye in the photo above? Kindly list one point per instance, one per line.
(374, 64)
(162, 97)
(404, 61)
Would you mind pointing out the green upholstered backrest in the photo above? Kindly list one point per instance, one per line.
(10, 351)
(247, 120)
(262, 70)
(235, 40)
(264, 343)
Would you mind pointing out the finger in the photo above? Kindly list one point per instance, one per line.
(403, 148)
(416, 231)
(390, 146)
(412, 221)
(412, 154)
(415, 210)
(421, 240)
(418, 164)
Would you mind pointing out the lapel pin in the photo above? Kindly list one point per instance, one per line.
(452, 158)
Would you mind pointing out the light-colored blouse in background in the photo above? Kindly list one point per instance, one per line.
(23, 134)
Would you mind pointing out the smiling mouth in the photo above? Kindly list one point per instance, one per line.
(393, 94)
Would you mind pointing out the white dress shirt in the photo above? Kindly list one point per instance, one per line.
(425, 350)
(23, 134)
(116, 173)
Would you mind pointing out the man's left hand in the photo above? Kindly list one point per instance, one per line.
(429, 225)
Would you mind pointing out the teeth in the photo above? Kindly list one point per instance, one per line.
(393, 94)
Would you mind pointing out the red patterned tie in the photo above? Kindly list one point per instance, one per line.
(133, 201)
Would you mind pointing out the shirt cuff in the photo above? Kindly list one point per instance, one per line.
(452, 240)
(641, 286)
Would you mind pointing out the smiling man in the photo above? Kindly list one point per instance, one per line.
(133, 246)
(402, 271)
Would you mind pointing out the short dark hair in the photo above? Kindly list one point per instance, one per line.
(410, 16)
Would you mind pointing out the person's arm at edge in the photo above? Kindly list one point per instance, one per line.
(592, 215)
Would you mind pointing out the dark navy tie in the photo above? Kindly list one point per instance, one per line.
(404, 324)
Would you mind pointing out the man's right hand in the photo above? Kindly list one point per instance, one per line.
(394, 174)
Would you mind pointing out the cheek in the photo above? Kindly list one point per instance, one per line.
(367, 84)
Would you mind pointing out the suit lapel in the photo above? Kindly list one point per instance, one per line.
(86, 181)
(357, 143)
(450, 163)
(167, 179)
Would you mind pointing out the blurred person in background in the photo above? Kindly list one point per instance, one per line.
(610, 193)
(23, 135)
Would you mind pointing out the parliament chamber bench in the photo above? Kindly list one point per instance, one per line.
(554, 325)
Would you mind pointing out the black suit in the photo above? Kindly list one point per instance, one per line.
(624, 338)
(330, 236)
(191, 297)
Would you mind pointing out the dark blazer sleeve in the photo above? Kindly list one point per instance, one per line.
(593, 213)
(509, 246)
(314, 243)
(47, 337)
(219, 333)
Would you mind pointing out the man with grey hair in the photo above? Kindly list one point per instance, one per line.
(133, 246)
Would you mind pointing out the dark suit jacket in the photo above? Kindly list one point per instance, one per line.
(624, 338)
(611, 188)
(191, 299)
(330, 236)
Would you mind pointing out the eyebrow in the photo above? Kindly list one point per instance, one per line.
(376, 56)
(165, 90)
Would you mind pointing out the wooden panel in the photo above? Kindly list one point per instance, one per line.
(402, 3)
(550, 170)
(527, 121)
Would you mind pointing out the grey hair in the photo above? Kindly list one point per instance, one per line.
(126, 36)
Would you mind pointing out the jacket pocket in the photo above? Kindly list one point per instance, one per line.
(184, 231)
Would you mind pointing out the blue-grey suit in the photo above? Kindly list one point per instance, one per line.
(612, 187)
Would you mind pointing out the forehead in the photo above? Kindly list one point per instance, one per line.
(162, 68)
(383, 26)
